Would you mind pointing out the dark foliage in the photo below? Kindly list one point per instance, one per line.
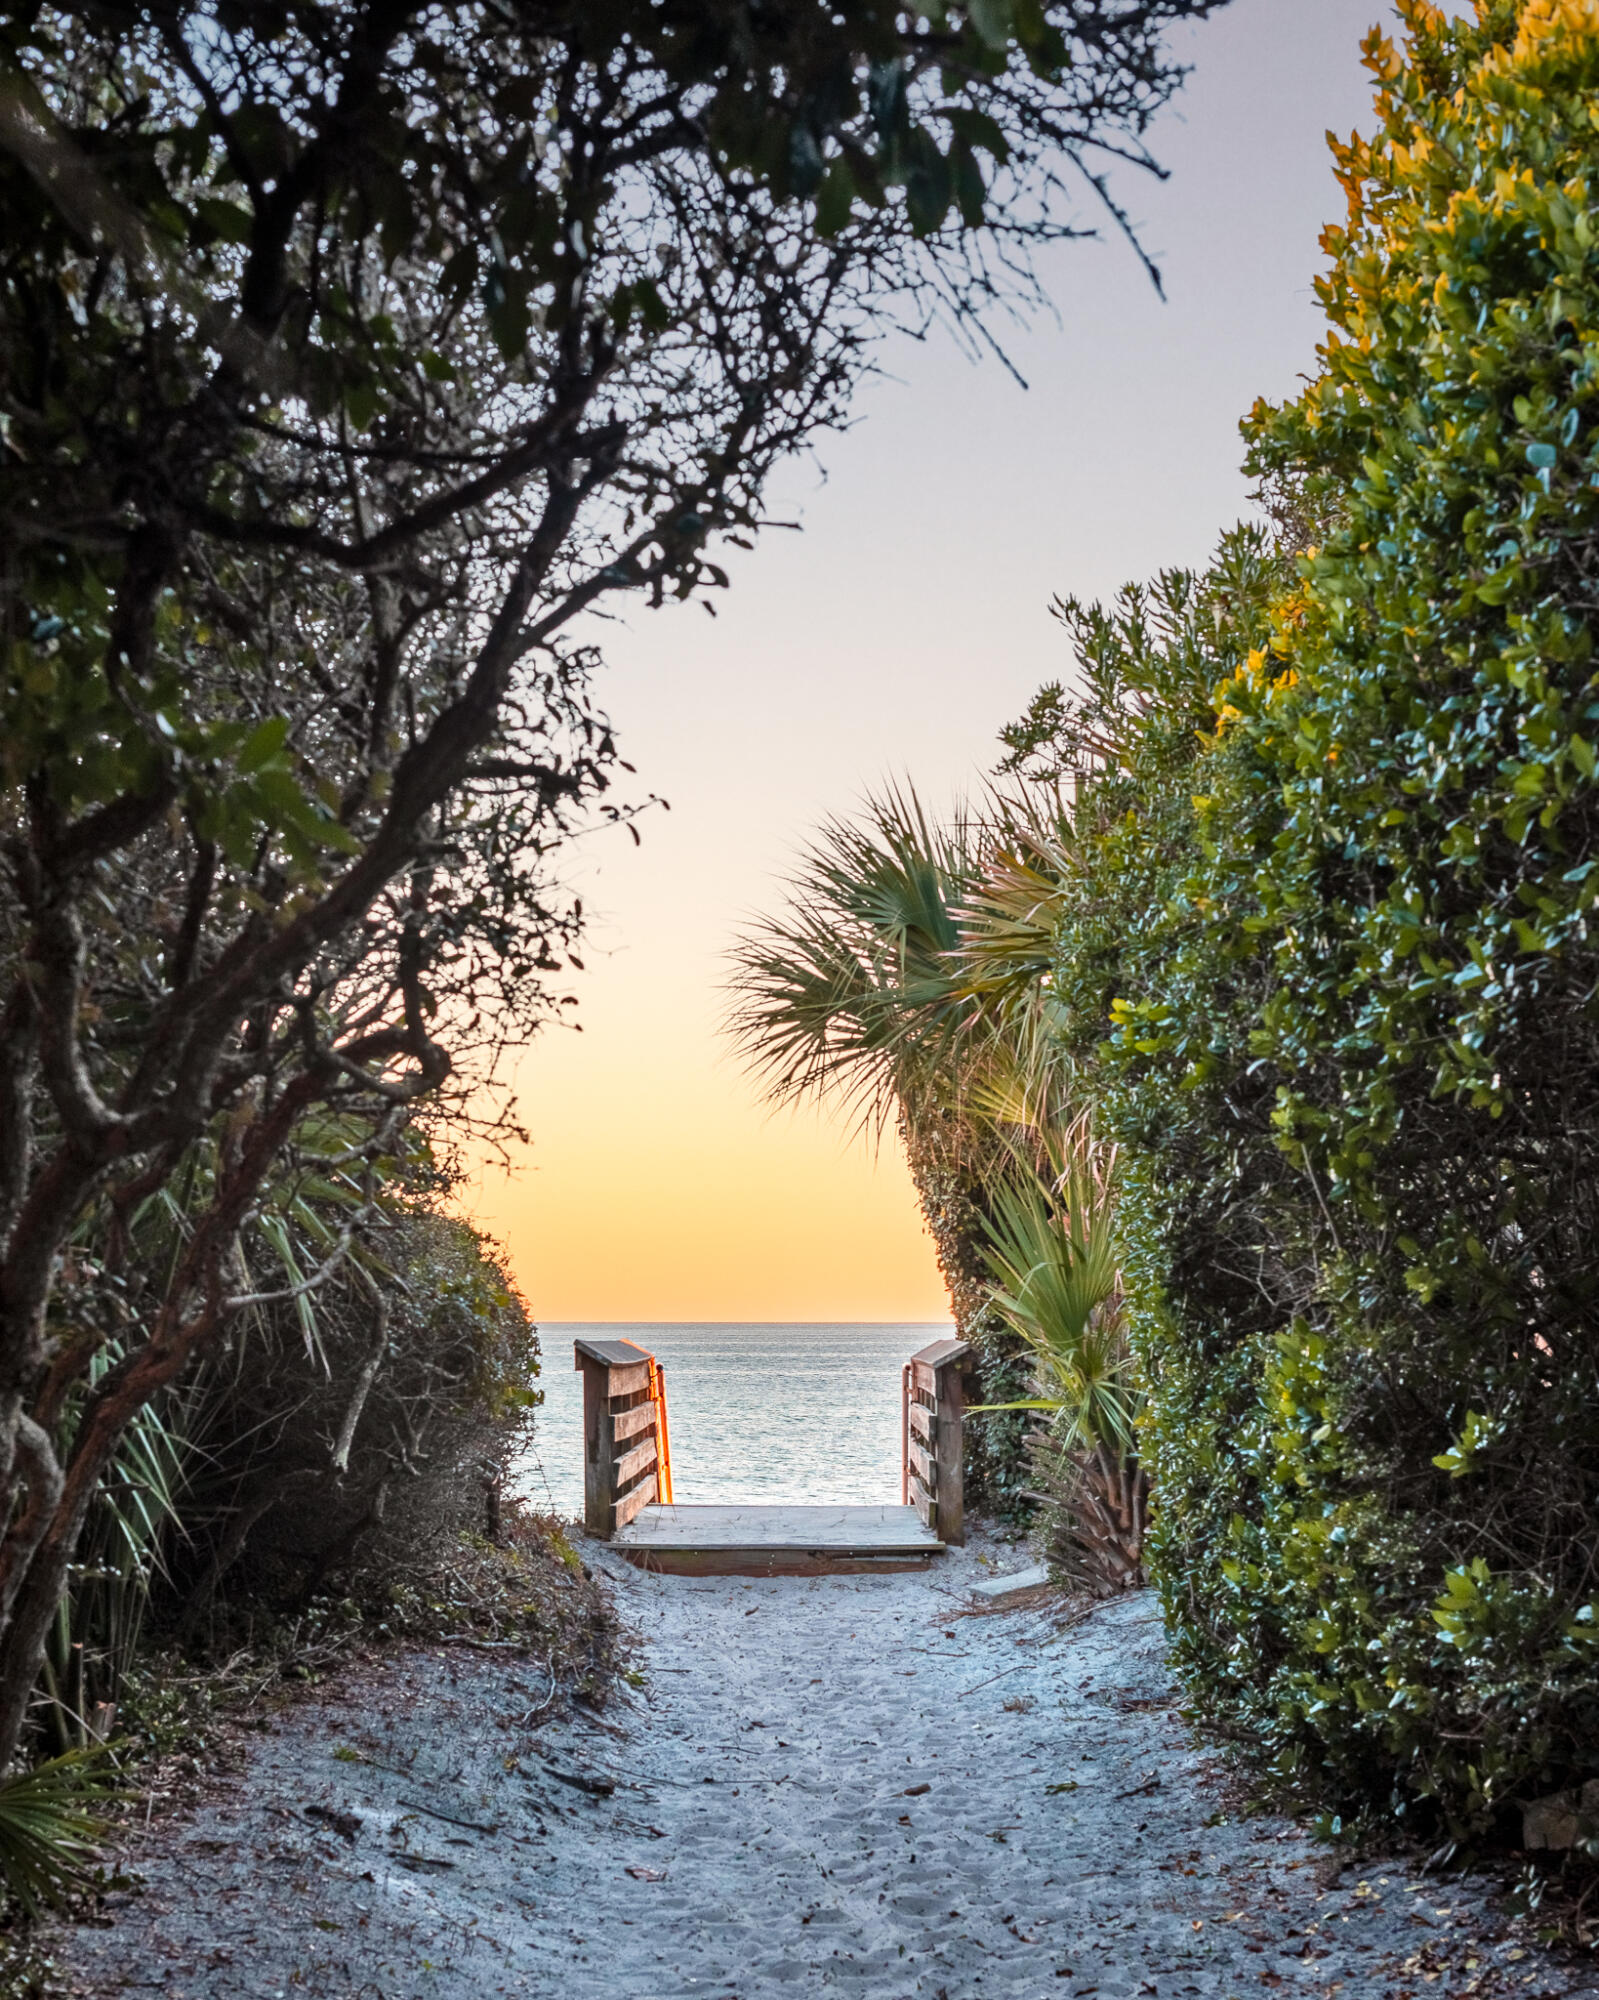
(361, 1442)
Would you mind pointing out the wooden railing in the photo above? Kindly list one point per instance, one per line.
(626, 1451)
(934, 1419)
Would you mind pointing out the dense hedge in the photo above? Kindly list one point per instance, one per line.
(1342, 924)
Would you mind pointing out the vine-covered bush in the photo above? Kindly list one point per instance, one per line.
(1356, 1040)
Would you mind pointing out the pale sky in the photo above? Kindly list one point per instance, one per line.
(893, 637)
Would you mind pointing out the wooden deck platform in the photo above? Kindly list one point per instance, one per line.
(776, 1541)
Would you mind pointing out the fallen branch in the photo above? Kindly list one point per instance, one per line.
(538, 1709)
(1026, 1667)
(450, 1819)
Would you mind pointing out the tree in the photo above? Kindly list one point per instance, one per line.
(352, 351)
(857, 994)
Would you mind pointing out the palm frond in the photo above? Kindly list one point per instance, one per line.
(1052, 1250)
(851, 993)
(1009, 917)
(49, 1832)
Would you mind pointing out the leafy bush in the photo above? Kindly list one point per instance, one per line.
(354, 1434)
(1126, 744)
(1344, 932)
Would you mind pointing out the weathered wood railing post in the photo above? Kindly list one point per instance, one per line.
(935, 1423)
(621, 1439)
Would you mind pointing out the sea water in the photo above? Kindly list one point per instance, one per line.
(782, 1414)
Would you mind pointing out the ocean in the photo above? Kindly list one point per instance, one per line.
(785, 1414)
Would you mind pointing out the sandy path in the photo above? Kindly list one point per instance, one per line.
(839, 1785)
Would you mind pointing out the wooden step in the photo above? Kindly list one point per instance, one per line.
(776, 1541)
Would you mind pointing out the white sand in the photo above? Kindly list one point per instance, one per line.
(1071, 1839)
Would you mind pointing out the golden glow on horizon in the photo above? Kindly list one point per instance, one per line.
(658, 1187)
(729, 1221)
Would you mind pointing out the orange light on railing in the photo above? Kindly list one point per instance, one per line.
(663, 1446)
(905, 1435)
(663, 1443)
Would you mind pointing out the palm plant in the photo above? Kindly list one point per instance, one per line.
(49, 1830)
(1051, 1249)
(910, 978)
(146, 1503)
(851, 993)
(855, 994)
(1022, 1080)
(1052, 1253)
(101, 1616)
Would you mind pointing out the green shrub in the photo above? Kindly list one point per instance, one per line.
(353, 1445)
(1356, 1045)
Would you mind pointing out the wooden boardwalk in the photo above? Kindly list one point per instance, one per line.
(627, 1480)
(776, 1541)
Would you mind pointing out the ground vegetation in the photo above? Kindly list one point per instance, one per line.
(357, 1445)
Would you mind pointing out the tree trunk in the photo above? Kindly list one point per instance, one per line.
(1097, 1504)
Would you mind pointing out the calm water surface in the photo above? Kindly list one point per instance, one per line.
(784, 1414)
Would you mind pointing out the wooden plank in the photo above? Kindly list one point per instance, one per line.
(640, 1459)
(635, 1502)
(949, 1445)
(879, 1530)
(942, 1352)
(774, 1562)
(925, 1467)
(1008, 1589)
(599, 1447)
(922, 1423)
(630, 1380)
(904, 1432)
(612, 1353)
(924, 1377)
(627, 1424)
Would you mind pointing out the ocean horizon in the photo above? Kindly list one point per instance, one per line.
(781, 1412)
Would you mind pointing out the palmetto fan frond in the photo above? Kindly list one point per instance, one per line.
(852, 992)
(1053, 1255)
(1020, 1078)
(50, 1829)
(1009, 915)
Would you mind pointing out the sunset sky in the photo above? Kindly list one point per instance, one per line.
(893, 637)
